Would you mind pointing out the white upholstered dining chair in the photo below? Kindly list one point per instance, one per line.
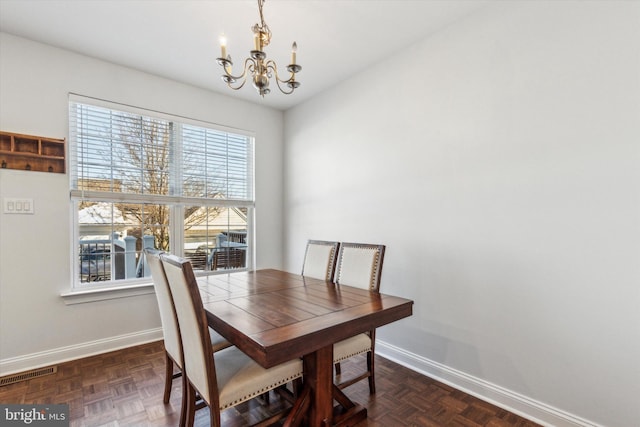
(172, 346)
(320, 259)
(359, 265)
(227, 378)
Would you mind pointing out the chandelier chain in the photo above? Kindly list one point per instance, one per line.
(260, 4)
(262, 29)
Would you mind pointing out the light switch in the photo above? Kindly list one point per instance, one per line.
(18, 206)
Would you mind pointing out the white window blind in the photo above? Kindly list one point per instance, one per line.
(215, 164)
(133, 154)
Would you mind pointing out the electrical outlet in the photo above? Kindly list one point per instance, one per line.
(18, 206)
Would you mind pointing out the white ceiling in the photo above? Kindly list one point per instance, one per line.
(178, 39)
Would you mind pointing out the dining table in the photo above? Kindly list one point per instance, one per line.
(275, 316)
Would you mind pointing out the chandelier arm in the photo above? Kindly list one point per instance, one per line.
(273, 68)
(248, 62)
(291, 82)
(249, 66)
(230, 83)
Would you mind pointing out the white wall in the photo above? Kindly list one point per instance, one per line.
(35, 250)
(499, 161)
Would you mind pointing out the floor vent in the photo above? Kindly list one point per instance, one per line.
(23, 376)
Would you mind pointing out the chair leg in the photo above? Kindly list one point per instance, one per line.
(338, 370)
(297, 387)
(299, 410)
(168, 377)
(371, 368)
(214, 421)
(190, 403)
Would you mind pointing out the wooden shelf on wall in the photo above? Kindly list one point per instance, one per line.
(34, 153)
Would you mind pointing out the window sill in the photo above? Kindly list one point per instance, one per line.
(102, 294)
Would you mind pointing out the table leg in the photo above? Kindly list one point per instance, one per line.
(316, 399)
(318, 371)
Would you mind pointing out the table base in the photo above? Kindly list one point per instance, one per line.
(346, 414)
(314, 404)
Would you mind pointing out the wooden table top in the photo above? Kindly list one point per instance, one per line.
(275, 316)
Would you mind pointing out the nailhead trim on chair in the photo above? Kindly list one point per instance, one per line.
(345, 357)
(351, 355)
(259, 392)
(331, 263)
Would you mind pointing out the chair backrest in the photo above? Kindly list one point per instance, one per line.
(165, 305)
(360, 265)
(194, 331)
(320, 259)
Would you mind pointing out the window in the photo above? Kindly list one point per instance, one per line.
(144, 179)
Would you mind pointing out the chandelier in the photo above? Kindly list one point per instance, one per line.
(257, 66)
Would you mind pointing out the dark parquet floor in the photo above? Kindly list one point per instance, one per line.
(125, 387)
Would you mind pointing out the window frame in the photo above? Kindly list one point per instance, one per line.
(176, 203)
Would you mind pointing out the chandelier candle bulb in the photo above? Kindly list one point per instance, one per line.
(294, 49)
(223, 46)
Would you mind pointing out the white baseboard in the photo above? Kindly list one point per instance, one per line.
(63, 354)
(524, 406)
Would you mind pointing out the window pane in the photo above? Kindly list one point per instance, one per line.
(121, 152)
(113, 235)
(216, 164)
(98, 223)
(215, 238)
